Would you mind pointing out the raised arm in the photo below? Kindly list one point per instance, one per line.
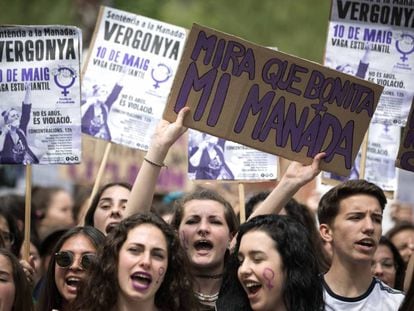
(296, 176)
(26, 108)
(165, 135)
(27, 95)
(195, 159)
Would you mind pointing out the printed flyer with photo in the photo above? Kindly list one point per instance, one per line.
(40, 119)
(128, 76)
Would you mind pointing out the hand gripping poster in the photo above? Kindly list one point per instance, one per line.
(40, 95)
(374, 40)
(129, 72)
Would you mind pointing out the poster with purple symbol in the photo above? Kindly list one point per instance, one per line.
(40, 120)
(375, 41)
(128, 75)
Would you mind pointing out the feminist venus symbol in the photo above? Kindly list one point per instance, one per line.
(71, 82)
(268, 275)
(398, 47)
(167, 75)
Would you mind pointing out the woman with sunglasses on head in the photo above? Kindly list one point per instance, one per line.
(141, 267)
(206, 223)
(68, 267)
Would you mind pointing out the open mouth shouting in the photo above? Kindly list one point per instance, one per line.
(367, 244)
(111, 226)
(251, 287)
(203, 246)
(141, 281)
(73, 283)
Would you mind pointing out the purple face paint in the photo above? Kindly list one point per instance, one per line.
(161, 272)
(268, 275)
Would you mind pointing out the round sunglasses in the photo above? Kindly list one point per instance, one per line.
(65, 259)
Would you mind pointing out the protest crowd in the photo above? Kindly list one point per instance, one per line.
(127, 257)
(123, 246)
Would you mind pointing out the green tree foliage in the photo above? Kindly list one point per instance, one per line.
(150, 8)
(37, 12)
(296, 27)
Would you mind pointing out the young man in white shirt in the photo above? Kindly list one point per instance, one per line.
(350, 217)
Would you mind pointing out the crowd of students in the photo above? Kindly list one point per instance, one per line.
(123, 255)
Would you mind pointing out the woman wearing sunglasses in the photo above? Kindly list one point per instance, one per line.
(68, 267)
(141, 267)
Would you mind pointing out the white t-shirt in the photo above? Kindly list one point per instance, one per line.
(378, 297)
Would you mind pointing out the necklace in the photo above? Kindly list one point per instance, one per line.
(207, 276)
(206, 299)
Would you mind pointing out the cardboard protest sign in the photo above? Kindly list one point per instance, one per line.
(405, 158)
(210, 157)
(128, 75)
(40, 94)
(377, 159)
(271, 101)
